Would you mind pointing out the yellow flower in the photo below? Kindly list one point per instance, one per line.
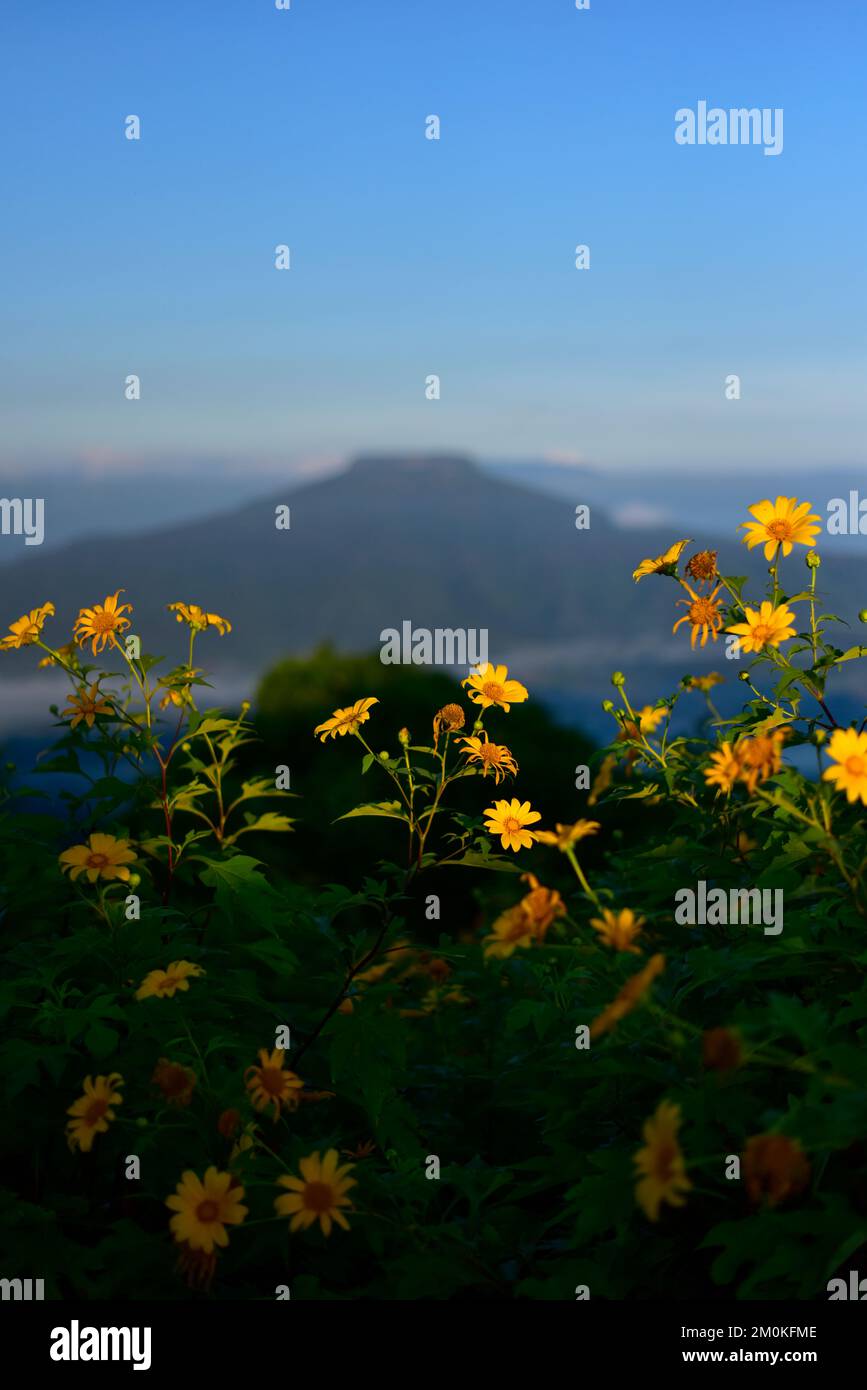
(102, 857)
(513, 928)
(198, 619)
(489, 685)
(848, 748)
(619, 930)
(92, 1111)
(648, 720)
(725, 768)
(766, 627)
(86, 705)
(525, 923)
(346, 721)
(705, 683)
(269, 1084)
(782, 523)
(702, 613)
(318, 1194)
(663, 564)
(565, 836)
(26, 629)
(660, 1163)
(628, 998)
(162, 984)
(494, 757)
(204, 1208)
(102, 622)
(509, 820)
(760, 757)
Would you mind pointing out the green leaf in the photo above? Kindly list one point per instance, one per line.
(392, 810)
(473, 860)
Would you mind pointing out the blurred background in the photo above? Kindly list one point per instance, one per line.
(410, 258)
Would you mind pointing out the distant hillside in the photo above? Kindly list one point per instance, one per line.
(432, 540)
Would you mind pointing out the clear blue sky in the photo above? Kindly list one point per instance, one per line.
(413, 257)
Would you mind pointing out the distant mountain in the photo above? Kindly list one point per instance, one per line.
(429, 539)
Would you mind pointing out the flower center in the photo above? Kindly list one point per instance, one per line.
(318, 1196)
(489, 753)
(665, 1158)
(761, 632)
(97, 861)
(780, 530)
(493, 690)
(511, 826)
(702, 612)
(207, 1211)
(95, 1111)
(103, 622)
(272, 1080)
(856, 766)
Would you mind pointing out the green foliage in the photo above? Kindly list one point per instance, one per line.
(438, 1020)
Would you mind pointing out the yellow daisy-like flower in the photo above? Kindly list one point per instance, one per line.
(196, 618)
(724, 770)
(527, 922)
(565, 836)
(494, 757)
(662, 564)
(102, 622)
(764, 627)
(702, 613)
(102, 857)
(204, 1208)
(318, 1195)
(86, 705)
(27, 629)
(92, 1111)
(619, 929)
(269, 1084)
(705, 683)
(509, 820)
(760, 757)
(163, 984)
(660, 1165)
(848, 749)
(513, 928)
(490, 685)
(346, 721)
(629, 997)
(782, 523)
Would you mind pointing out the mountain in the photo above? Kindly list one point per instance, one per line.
(429, 539)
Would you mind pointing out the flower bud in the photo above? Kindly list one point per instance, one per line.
(134, 880)
(384, 755)
(608, 706)
(813, 559)
(862, 616)
(403, 738)
(618, 679)
(743, 675)
(819, 737)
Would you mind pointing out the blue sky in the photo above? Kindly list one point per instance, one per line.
(412, 257)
